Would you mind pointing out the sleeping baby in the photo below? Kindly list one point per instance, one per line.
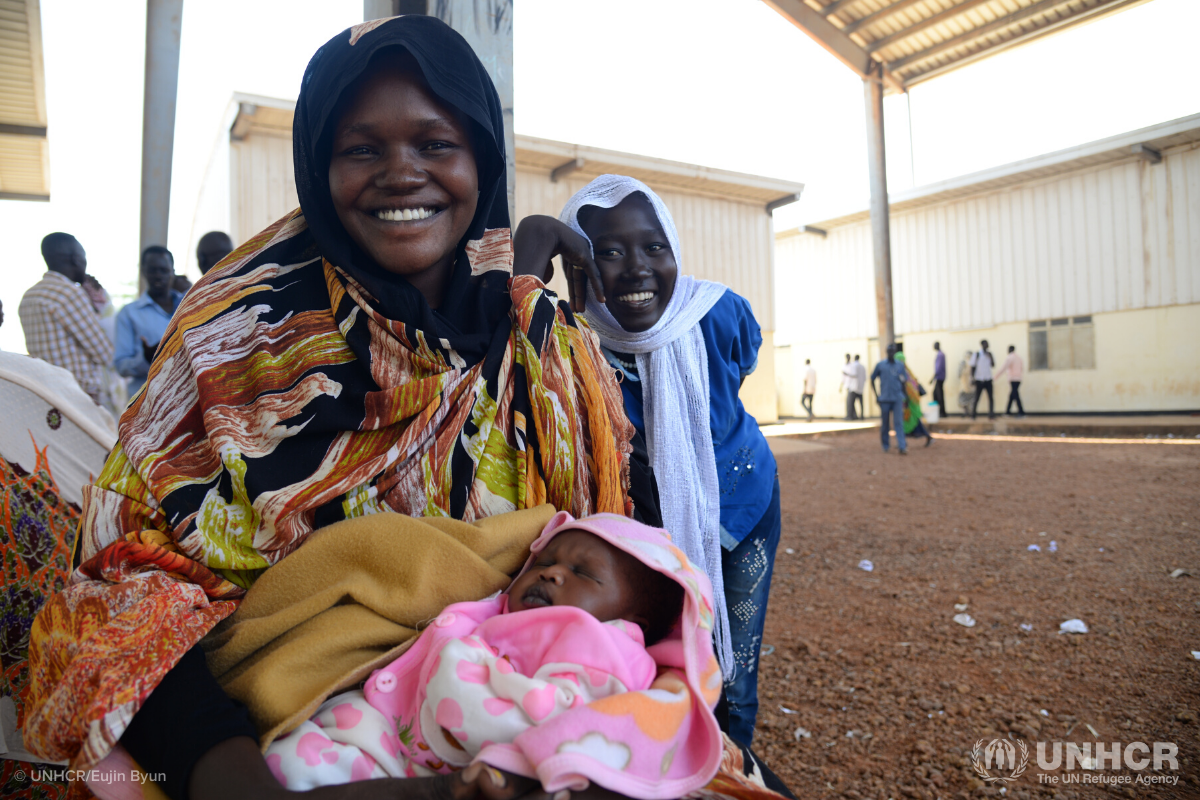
(595, 665)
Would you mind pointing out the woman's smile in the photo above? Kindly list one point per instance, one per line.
(405, 214)
(637, 299)
(403, 176)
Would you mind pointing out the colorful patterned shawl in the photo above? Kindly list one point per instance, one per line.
(280, 401)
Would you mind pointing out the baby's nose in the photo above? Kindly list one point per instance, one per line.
(554, 575)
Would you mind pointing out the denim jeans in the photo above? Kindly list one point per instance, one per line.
(746, 571)
(896, 409)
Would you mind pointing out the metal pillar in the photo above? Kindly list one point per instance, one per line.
(880, 228)
(164, 20)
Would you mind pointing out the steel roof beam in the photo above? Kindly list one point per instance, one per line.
(1000, 24)
(936, 19)
(826, 34)
(38, 131)
(835, 7)
(875, 16)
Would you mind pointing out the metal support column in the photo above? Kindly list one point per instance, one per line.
(880, 228)
(164, 20)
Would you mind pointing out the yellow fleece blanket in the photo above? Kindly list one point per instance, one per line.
(352, 599)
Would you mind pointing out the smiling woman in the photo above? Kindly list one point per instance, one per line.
(402, 174)
(370, 352)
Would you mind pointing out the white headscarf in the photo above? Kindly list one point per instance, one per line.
(673, 366)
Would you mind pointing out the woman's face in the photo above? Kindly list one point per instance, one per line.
(402, 176)
(636, 264)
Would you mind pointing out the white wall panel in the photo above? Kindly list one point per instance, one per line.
(263, 183)
(1112, 238)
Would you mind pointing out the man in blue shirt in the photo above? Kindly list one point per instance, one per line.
(142, 323)
(939, 377)
(890, 396)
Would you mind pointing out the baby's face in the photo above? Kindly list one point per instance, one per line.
(581, 570)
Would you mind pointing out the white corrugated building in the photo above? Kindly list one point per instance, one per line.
(1087, 260)
(725, 229)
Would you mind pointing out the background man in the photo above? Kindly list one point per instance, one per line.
(981, 368)
(142, 323)
(61, 326)
(1015, 368)
(810, 388)
(939, 377)
(849, 381)
(212, 247)
(860, 385)
(890, 395)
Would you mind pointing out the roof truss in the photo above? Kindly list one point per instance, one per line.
(910, 41)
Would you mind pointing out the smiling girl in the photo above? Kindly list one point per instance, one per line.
(684, 347)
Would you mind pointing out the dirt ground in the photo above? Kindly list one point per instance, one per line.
(886, 695)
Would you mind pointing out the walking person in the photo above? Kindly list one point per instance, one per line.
(849, 381)
(890, 394)
(810, 388)
(60, 323)
(982, 363)
(859, 386)
(914, 423)
(939, 378)
(1015, 367)
(966, 386)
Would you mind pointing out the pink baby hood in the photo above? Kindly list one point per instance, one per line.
(662, 742)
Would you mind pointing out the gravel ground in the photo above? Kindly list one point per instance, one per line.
(886, 695)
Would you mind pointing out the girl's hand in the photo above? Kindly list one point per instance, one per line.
(539, 239)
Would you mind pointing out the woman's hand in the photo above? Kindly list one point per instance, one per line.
(539, 239)
(235, 770)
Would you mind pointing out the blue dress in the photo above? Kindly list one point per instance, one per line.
(745, 465)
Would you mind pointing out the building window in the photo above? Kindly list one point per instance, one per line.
(1062, 343)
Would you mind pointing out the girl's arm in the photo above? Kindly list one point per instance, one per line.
(540, 238)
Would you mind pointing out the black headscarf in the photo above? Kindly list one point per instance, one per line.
(472, 309)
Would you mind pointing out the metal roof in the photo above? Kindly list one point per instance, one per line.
(1144, 144)
(918, 39)
(24, 151)
(560, 158)
(271, 115)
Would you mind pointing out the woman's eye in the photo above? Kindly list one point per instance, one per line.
(610, 253)
(439, 146)
(654, 248)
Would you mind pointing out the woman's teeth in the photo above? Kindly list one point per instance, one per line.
(404, 214)
(636, 297)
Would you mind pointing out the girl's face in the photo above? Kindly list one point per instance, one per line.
(402, 176)
(636, 264)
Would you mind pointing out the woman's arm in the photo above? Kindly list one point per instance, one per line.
(236, 770)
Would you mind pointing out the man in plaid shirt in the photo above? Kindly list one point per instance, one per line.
(61, 324)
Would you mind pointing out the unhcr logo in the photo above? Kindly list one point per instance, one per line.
(1004, 760)
(1000, 756)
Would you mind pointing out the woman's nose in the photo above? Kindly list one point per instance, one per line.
(400, 171)
(637, 264)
